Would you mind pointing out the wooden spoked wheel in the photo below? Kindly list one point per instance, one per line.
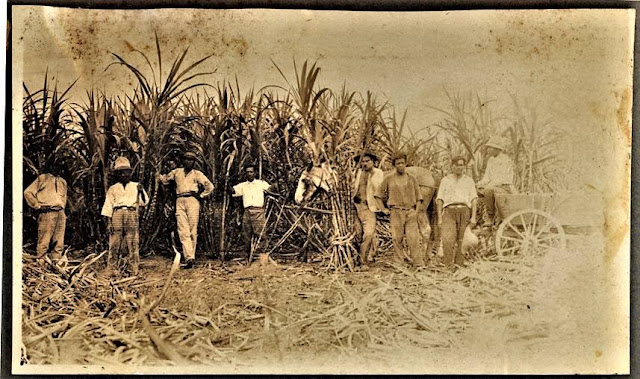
(529, 232)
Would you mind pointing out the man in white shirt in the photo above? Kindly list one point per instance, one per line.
(253, 220)
(48, 196)
(121, 209)
(498, 177)
(188, 181)
(365, 187)
(456, 208)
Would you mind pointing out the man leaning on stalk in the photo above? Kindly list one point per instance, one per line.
(366, 185)
(121, 209)
(253, 219)
(402, 195)
(456, 208)
(497, 178)
(48, 196)
(188, 181)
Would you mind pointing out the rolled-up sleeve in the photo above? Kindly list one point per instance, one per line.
(107, 208)
(299, 195)
(144, 201)
(383, 190)
(30, 194)
(165, 179)
(208, 186)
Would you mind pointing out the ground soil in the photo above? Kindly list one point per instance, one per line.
(511, 314)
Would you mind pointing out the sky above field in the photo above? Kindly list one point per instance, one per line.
(572, 66)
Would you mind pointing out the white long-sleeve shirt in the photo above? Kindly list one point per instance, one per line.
(499, 171)
(186, 183)
(121, 196)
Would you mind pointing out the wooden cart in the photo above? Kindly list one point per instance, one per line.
(534, 223)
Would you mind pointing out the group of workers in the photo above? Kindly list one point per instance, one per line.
(397, 193)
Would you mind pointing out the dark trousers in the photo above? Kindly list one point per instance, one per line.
(489, 195)
(454, 221)
(253, 226)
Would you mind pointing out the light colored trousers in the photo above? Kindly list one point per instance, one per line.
(124, 234)
(369, 245)
(187, 216)
(51, 226)
(404, 225)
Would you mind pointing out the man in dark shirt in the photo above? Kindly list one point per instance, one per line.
(402, 195)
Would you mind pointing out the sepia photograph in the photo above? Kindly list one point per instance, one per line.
(290, 191)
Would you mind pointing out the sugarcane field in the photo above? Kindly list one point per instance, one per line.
(292, 191)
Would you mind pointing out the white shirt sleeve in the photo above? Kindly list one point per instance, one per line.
(442, 190)
(107, 208)
(238, 189)
(146, 198)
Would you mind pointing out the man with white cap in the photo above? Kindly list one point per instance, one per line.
(121, 209)
(498, 176)
(188, 181)
(48, 196)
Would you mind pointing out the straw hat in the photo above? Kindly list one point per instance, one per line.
(122, 163)
(190, 154)
(497, 142)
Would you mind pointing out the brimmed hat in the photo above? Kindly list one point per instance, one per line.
(496, 142)
(190, 154)
(121, 163)
(367, 153)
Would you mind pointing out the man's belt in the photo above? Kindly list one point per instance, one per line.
(187, 194)
(457, 205)
(126, 207)
(402, 208)
(49, 209)
(249, 208)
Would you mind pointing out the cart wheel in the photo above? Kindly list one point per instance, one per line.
(529, 232)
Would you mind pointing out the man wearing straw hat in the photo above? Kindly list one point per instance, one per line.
(365, 187)
(48, 196)
(402, 195)
(497, 178)
(121, 209)
(188, 181)
(253, 219)
(456, 208)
